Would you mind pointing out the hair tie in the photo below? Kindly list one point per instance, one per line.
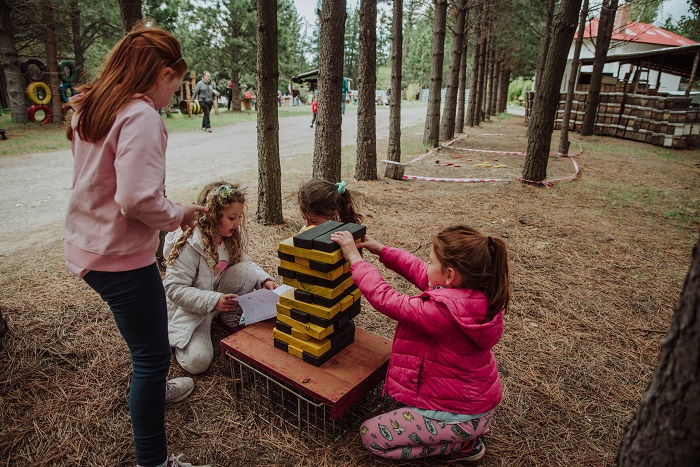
(341, 187)
(489, 244)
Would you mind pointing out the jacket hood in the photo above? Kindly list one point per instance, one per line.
(172, 237)
(468, 308)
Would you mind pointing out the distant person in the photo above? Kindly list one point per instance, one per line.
(321, 201)
(295, 96)
(204, 92)
(314, 110)
(441, 366)
(229, 94)
(345, 90)
(116, 210)
(207, 269)
(247, 94)
(280, 98)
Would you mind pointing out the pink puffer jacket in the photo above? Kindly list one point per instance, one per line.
(441, 356)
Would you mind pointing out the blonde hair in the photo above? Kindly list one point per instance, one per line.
(216, 196)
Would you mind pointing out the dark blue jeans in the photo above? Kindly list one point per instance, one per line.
(137, 301)
(206, 107)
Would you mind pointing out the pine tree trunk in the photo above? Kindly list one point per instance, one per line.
(131, 14)
(52, 60)
(9, 61)
(326, 163)
(431, 135)
(269, 169)
(549, 15)
(462, 95)
(664, 431)
(394, 150)
(539, 132)
(571, 85)
(366, 166)
(503, 81)
(76, 32)
(491, 80)
(482, 78)
(235, 90)
(493, 98)
(474, 86)
(605, 27)
(447, 126)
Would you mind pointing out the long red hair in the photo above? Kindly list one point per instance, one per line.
(132, 67)
(481, 261)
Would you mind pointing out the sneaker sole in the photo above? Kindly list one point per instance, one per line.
(182, 397)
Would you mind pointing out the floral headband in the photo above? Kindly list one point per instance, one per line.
(225, 191)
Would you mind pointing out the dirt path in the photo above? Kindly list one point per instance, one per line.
(36, 188)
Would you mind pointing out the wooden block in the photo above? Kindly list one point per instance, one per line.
(305, 239)
(285, 256)
(319, 290)
(319, 361)
(304, 296)
(322, 301)
(287, 246)
(287, 299)
(330, 275)
(310, 329)
(324, 242)
(314, 346)
(340, 319)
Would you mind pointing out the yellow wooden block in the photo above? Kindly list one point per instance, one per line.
(291, 350)
(310, 329)
(313, 346)
(300, 335)
(287, 299)
(283, 310)
(324, 292)
(287, 246)
(331, 275)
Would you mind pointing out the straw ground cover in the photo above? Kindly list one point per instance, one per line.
(596, 267)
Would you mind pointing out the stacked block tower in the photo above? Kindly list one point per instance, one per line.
(314, 320)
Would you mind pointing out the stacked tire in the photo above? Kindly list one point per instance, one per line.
(39, 93)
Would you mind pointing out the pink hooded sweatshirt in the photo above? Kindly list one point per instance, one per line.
(118, 204)
(441, 356)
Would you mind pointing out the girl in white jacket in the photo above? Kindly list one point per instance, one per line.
(207, 269)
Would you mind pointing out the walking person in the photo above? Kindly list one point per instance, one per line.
(229, 94)
(204, 92)
(116, 210)
(314, 110)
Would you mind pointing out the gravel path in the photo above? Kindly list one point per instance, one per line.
(36, 188)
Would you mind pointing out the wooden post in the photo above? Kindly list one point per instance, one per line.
(692, 74)
(188, 95)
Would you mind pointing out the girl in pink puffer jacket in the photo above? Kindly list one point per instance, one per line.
(441, 363)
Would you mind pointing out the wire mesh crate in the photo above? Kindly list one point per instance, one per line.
(285, 407)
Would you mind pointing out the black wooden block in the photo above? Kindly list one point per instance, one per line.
(286, 273)
(303, 296)
(325, 267)
(285, 256)
(345, 315)
(311, 280)
(329, 302)
(285, 328)
(305, 238)
(318, 361)
(281, 345)
(301, 316)
(324, 242)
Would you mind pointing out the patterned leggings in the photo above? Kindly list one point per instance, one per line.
(406, 434)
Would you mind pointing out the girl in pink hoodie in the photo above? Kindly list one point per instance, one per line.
(441, 365)
(116, 210)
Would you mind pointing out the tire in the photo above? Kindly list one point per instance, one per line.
(39, 93)
(33, 69)
(66, 71)
(67, 91)
(39, 114)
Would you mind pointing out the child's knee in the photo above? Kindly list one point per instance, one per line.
(194, 362)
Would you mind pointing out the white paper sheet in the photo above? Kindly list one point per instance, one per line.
(259, 305)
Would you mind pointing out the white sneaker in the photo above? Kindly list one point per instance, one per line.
(174, 461)
(178, 389)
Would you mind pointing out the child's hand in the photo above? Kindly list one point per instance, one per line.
(227, 302)
(347, 244)
(371, 245)
(269, 284)
(190, 217)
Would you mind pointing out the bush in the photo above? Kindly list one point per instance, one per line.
(518, 87)
(412, 90)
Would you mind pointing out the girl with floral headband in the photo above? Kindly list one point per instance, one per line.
(321, 201)
(207, 269)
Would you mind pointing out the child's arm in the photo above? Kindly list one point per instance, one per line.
(264, 281)
(179, 280)
(419, 312)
